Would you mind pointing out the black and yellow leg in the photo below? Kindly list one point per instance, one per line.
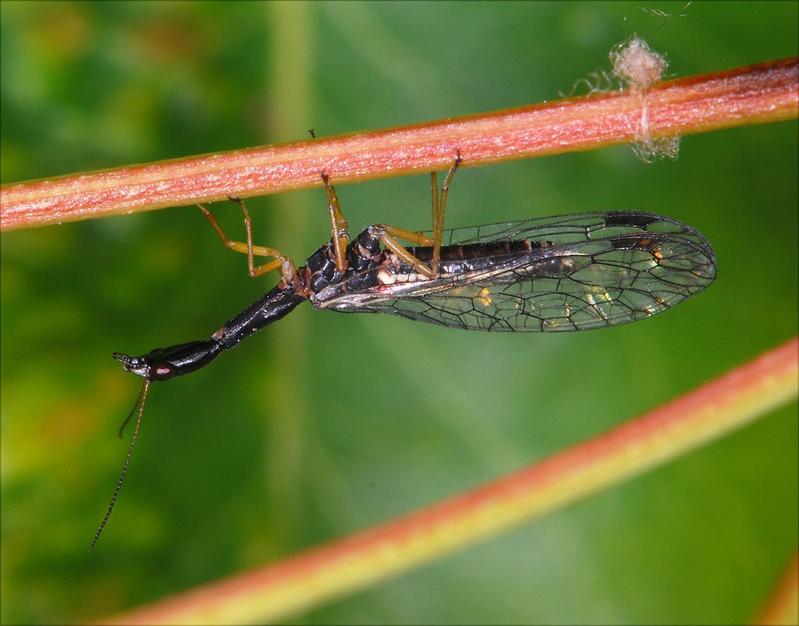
(389, 234)
(440, 209)
(341, 237)
(280, 261)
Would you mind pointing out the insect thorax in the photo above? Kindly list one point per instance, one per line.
(320, 273)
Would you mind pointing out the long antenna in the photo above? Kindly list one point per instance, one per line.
(140, 404)
(132, 411)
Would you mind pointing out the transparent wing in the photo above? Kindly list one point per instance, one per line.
(570, 228)
(592, 270)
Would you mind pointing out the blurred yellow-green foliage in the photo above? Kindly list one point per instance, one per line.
(324, 424)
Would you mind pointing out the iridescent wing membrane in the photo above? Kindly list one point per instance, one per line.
(579, 272)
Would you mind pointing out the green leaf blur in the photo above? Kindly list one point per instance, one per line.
(325, 424)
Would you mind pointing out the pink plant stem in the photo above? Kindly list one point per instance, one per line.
(271, 593)
(782, 607)
(766, 92)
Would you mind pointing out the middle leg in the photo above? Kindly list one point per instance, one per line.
(339, 226)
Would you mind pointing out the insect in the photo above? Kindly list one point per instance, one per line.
(551, 274)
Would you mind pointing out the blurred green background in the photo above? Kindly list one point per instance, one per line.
(325, 424)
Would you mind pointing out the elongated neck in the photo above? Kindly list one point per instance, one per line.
(272, 307)
(182, 358)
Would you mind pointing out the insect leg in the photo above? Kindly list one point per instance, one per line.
(420, 239)
(388, 237)
(341, 238)
(280, 262)
(389, 234)
(440, 208)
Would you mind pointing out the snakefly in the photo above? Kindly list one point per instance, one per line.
(551, 274)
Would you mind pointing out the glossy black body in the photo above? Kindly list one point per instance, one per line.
(572, 272)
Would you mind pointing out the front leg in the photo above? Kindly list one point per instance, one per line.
(280, 262)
